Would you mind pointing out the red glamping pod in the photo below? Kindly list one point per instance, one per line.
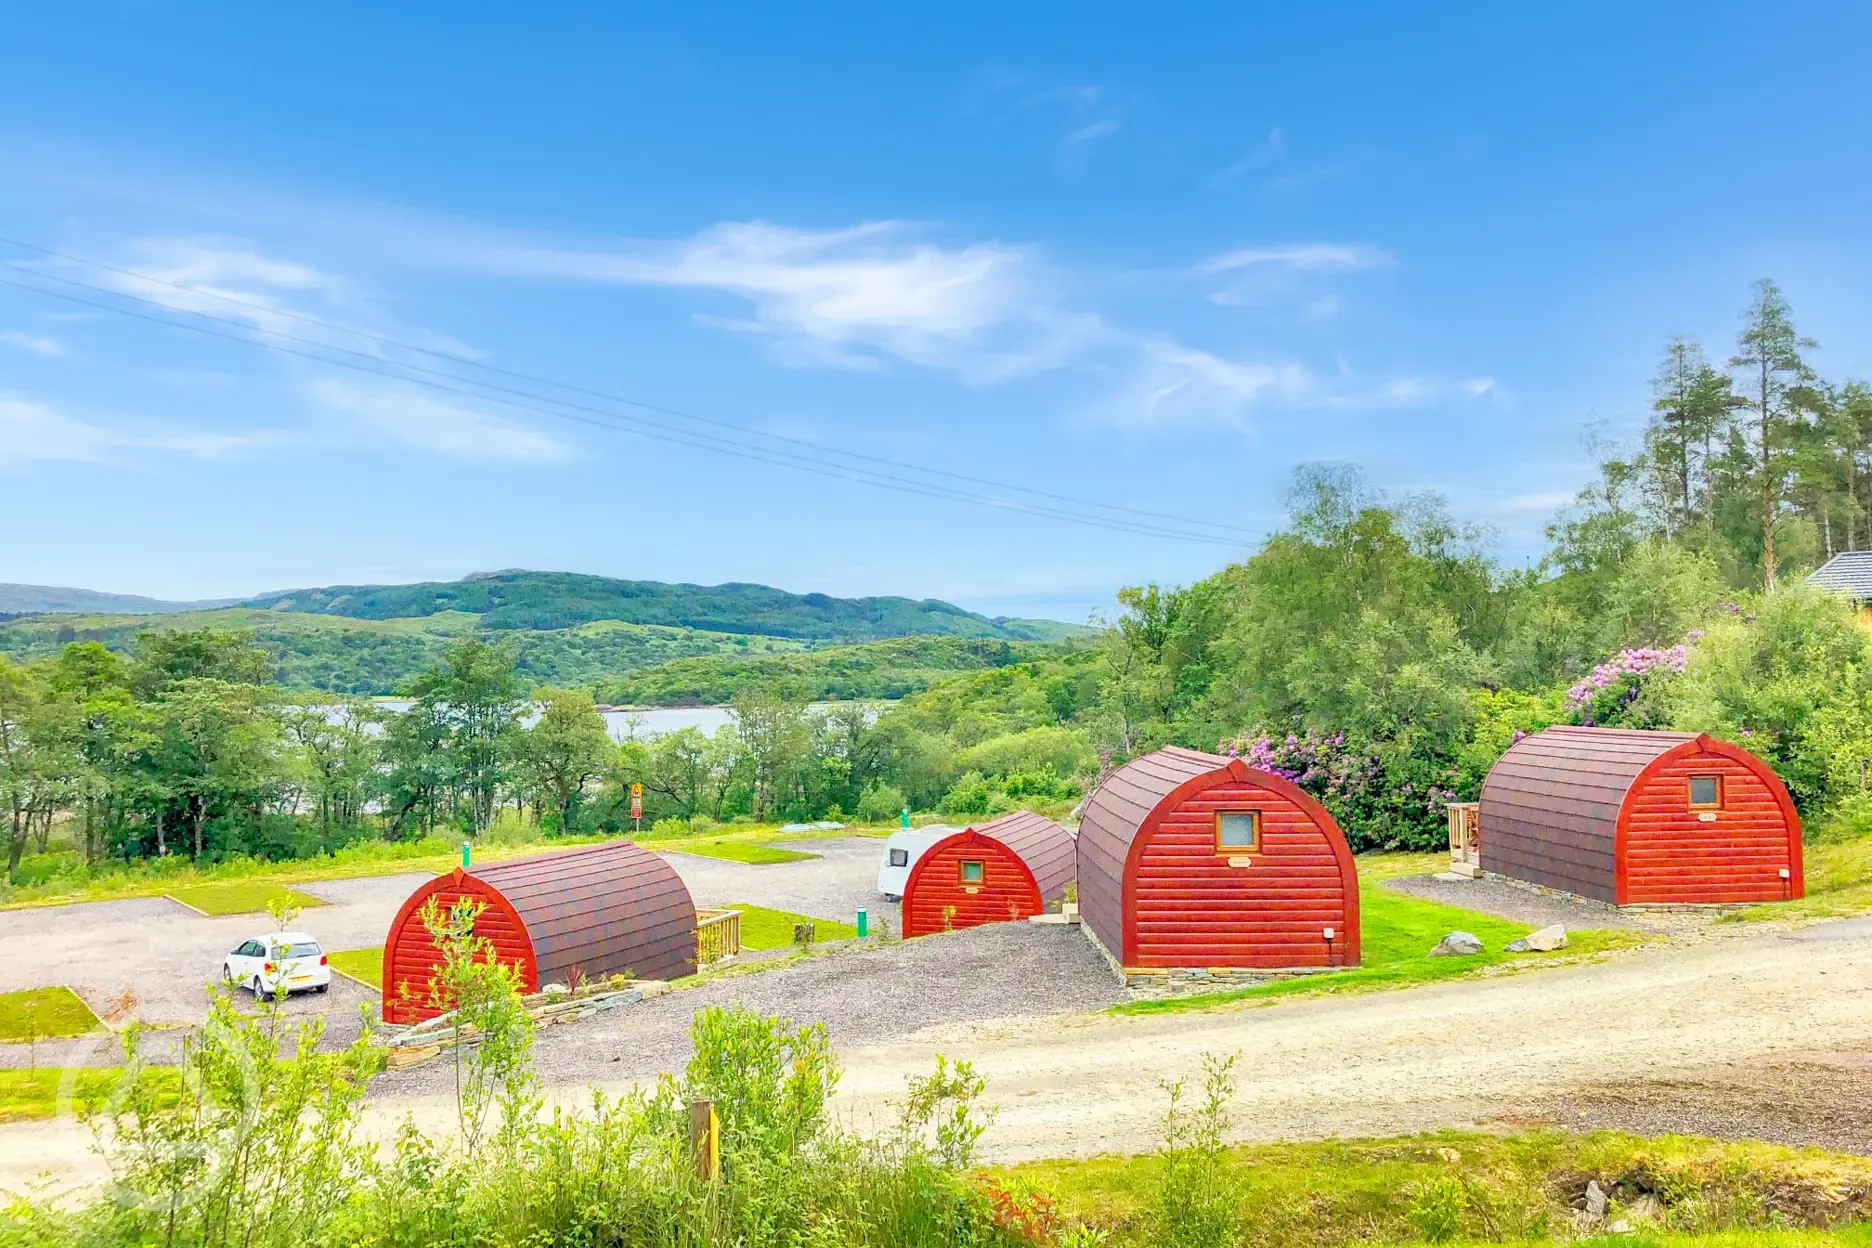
(1192, 860)
(1009, 869)
(606, 910)
(1633, 817)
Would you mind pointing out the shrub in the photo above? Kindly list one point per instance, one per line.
(972, 794)
(880, 803)
(1194, 1204)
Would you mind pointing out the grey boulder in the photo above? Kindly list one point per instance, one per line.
(1546, 940)
(1457, 945)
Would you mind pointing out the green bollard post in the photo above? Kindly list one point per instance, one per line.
(905, 822)
(467, 851)
(864, 925)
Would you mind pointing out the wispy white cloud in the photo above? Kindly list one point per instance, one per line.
(1303, 257)
(38, 344)
(1094, 131)
(415, 418)
(226, 278)
(1263, 154)
(1178, 385)
(1548, 500)
(847, 297)
(32, 431)
(1174, 384)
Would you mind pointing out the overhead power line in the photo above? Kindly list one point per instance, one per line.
(836, 472)
(1178, 526)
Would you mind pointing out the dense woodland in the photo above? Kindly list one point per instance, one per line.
(1372, 649)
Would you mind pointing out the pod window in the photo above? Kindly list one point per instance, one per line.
(899, 857)
(973, 869)
(1706, 792)
(1238, 831)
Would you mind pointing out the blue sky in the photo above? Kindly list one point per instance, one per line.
(1152, 258)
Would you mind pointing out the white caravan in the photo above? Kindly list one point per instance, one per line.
(901, 850)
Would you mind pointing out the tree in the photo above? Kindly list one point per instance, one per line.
(1775, 382)
(477, 697)
(776, 737)
(1691, 402)
(566, 748)
(20, 771)
(416, 770)
(677, 768)
(219, 751)
(168, 657)
(337, 744)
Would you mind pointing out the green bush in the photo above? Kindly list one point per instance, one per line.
(973, 794)
(881, 803)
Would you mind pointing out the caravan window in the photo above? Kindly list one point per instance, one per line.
(899, 857)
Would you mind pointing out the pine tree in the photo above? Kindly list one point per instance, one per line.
(1692, 402)
(1774, 382)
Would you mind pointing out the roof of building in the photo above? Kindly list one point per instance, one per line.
(1850, 571)
(1572, 780)
(1119, 806)
(1048, 849)
(588, 907)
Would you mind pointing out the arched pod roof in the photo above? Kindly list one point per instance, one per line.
(1556, 809)
(1133, 809)
(604, 909)
(1046, 848)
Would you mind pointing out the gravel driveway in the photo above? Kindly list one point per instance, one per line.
(1519, 904)
(863, 994)
(836, 884)
(164, 953)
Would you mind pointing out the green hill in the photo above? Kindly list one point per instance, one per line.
(553, 600)
(892, 668)
(340, 655)
(22, 599)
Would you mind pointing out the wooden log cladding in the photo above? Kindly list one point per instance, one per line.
(1606, 813)
(1160, 893)
(1026, 862)
(613, 909)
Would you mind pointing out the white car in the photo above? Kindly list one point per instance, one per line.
(292, 959)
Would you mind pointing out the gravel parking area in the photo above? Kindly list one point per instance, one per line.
(163, 953)
(1519, 904)
(835, 885)
(863, 994)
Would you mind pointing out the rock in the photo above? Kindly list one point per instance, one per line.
(1646, 1208)
(1620, 1227)
(1546, 940)
(554, 990)
(1457, 945)
(1595, 1199)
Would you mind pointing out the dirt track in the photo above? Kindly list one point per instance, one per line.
(1622, 1042)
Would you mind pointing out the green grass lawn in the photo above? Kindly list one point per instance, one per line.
(1839, 883)
(29, 1095)
(364, 964)
(1396, 932)
(241, 898)
(752, 852)
(1503, 1188)
(43, 1014)
(762, 928)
